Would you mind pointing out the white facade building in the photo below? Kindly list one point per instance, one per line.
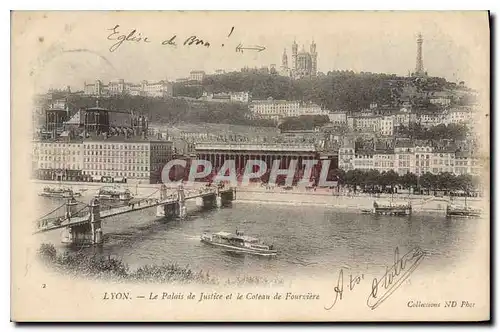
(428, 120)
(363, 123)
(58, 155)
(423, 159)
(197, 75)
(465, 163)
(386, 125)
(119, 87)
(346, 158)
(404, 158)
(383, 161)
(274, 109)
(277, 109)
(459, 116)
(242, 97)
(440, 101)
(338, 118)
(363, 161)
(443, 161)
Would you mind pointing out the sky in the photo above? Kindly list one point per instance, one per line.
(70, 48)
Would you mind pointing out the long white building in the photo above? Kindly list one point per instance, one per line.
(278, 109)
(94, 158)
(161, 88)
(407, 157)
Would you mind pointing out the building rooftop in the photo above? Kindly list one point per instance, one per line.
(384, 151)
(404, 144)
(365, 152)
(67, 138)
(261, 147)
(97, 108)
(125, 139)
(269, 101)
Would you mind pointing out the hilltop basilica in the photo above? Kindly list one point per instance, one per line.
(303, 64)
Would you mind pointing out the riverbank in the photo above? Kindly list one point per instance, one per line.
(100, 267)
(350, 203)
(322, 197)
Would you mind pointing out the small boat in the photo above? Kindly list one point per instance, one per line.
(59, 192)
(367, 211)
(392, 209)
(114, 194)
(462, 212)
(238, 242)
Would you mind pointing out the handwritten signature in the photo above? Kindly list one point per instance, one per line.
(381, 288)
(135, 37)
(394, 276)
(339, 288)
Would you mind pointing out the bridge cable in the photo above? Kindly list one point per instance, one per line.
(45, 215)
(145, 198)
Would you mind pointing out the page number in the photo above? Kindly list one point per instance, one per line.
(44, 286)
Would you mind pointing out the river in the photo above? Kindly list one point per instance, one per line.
(311, 240)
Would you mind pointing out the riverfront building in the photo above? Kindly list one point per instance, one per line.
(218, 153)
(94, 159)
(410, 157)
(94, 146)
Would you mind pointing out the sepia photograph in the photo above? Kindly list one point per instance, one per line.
(245, 166)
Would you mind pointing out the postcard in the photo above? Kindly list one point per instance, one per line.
(243, 166)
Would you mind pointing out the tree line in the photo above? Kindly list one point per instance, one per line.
(174, 110)
(417, 131)
(339, 91)
(378, 182)
(303, 122)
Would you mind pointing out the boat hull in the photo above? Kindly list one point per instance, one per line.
(463, 215)
(55, 195)
(240, 249)
(392, 213)
(115, 199)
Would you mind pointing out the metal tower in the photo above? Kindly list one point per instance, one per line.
(419, 68)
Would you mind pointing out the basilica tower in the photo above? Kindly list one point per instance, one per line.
(314, 59)
(284, 60)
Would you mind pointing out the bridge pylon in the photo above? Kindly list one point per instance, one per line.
(71, 205)
(88, 233)
(181, 202)
(95, 220)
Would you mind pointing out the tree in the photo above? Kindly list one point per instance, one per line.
(446, 181)
(339, 175)
(409, 180)
(372, 179)
(392, 179)
(303, 122)
(354, 178)
(383, 180)
(465, 183)
(428, 181)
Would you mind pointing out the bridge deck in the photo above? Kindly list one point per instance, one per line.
(45, 225)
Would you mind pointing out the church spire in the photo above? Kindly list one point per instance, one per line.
(284, 60)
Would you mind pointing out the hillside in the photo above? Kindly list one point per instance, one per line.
(174, 110)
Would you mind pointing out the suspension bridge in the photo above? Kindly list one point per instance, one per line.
(81, 222)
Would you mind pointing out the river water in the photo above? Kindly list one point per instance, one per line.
(311, 240)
